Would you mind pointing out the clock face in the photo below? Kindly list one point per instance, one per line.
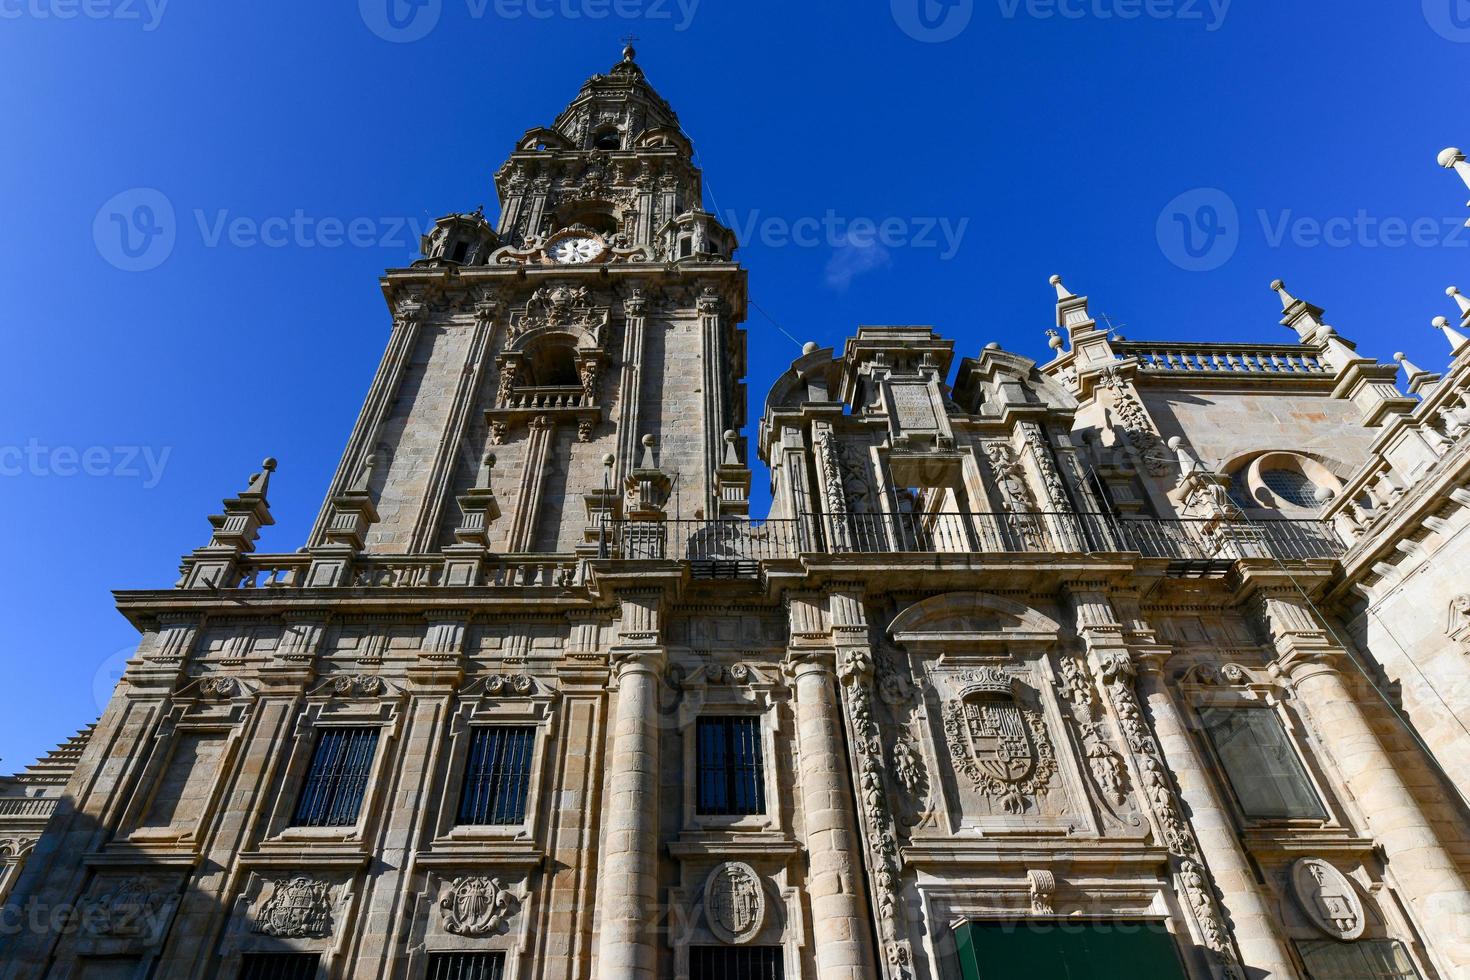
(575, 248)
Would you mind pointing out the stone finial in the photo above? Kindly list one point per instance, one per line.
(236, 529)
(1458, 341)
(648, 487)
(732, 480)
(810, 347)
(365, 475)
(1410, 369)
(260, 482)
(1453, 158)
(1287, 300)
(1462, 301)
(1188, 461)
(487, 467)
(1054, 340)
(1062, 291)
(478, 508)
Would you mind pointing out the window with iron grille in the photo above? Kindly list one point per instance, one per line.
(732, 779)
(497, 776)
(1293, 486)
(279, 966)
(466, 966)
(1366, 959)
(337, 779)
(1262, 765)
(736, 963)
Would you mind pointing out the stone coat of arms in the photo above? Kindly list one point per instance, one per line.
(997, 741)
(1328, 899)
(299, 908)
(734, 902)
(476, 906)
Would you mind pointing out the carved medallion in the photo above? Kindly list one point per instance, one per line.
(734, 903)
(997, 741)
(476, 906)
(129, 908)
(299, 908)
(1328, 898)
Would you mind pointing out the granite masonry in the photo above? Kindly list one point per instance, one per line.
(1146, 660)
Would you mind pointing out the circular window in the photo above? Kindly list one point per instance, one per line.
(1292, 486)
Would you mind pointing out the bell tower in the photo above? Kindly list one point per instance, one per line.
(598, 317)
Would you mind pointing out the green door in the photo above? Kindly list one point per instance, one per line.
(1067, 950)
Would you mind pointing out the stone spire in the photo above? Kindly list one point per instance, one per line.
(1454, 159)
(1088, 342)
(1458, 341)
(1299, 315)
(235, 533)
(1457, 338)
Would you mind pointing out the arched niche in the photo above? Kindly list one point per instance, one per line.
(968, 620)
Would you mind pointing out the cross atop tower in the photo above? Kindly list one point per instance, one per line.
(630, 52)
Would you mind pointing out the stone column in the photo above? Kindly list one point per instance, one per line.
(839, 916)
(626, 950)
(1261, 946)
(1423, 869)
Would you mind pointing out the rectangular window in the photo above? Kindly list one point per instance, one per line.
(497, 776)
(736, 963)
(1267, 775)
(466, 966)
(338, 777)
(1367, 959)
(732, 779)
(1078, 950)
(279, 966)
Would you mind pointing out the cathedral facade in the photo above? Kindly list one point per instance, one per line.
(1147, 659)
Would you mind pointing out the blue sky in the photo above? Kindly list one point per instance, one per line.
(885, 163)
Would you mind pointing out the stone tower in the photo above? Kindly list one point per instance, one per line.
(604, 308)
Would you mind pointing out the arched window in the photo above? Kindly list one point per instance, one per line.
(553, 365)
(608, 139)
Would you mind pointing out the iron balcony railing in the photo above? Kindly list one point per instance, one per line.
(737, 542)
